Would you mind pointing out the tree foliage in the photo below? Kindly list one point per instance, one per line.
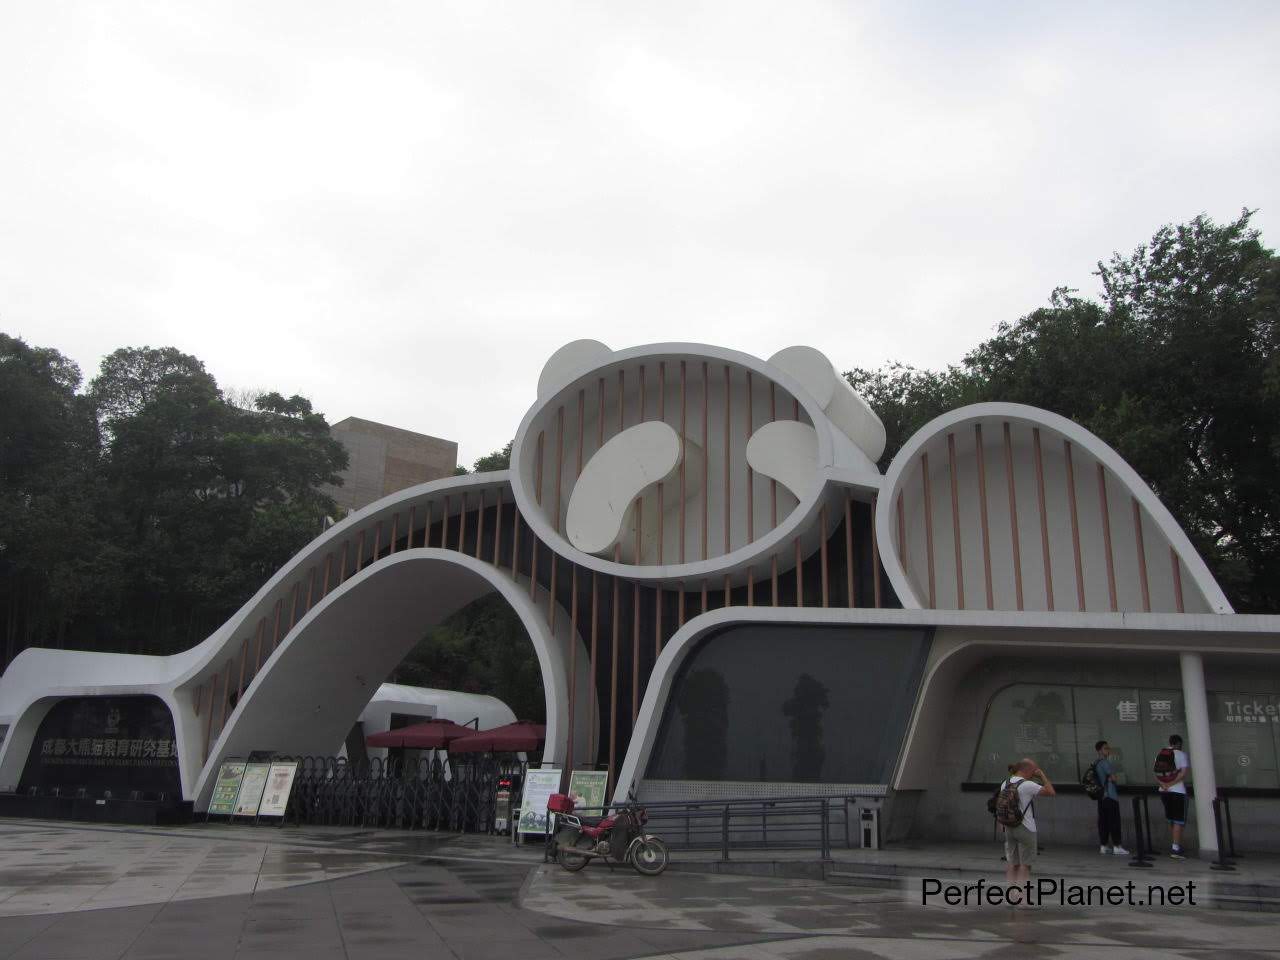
(1176, 365)
(483, 648)
(139, 514)
(498, 460)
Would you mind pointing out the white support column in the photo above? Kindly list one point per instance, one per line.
(1200, 749)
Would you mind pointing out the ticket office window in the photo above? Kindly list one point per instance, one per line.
(1058, 724)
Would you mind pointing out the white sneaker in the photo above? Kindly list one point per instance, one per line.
(1104, 849)
(1120, 851)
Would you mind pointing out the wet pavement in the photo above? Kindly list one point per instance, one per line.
(80, 892)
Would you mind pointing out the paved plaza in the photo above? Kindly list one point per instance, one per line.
(81, 892)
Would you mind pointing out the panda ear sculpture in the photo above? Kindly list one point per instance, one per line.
(568, 360)
(842, 405)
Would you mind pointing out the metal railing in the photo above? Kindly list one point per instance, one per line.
(432, 794)
(796, 823)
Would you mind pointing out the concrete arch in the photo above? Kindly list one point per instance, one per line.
(323, 673)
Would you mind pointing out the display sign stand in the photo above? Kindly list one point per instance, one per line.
(252, 786)
(535, 819)
(275, 796)
(226, 788)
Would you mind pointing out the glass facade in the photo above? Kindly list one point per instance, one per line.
(1058, 724)
(789, 703)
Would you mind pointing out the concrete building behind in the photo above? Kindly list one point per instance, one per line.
(387, 459)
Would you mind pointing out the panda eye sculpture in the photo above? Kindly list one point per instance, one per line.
(680, 454)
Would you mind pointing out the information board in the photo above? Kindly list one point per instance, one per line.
(587, 788)
(539, 785)
(251, 788)
(223, 801)
(275, 799)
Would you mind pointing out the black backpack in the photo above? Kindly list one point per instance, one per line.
(1166, 765)
(1094, 788)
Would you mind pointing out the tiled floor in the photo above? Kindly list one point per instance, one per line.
(71, 892)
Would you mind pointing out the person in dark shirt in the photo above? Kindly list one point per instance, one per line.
(1108, 803)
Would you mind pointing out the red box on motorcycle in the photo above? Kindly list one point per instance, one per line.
(560, 803)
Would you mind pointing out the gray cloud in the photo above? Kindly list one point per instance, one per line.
(400, 210)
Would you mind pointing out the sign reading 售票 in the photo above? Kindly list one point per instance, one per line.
(275, 798)
(223, 801)
(251, 789)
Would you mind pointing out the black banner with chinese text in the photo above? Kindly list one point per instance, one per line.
(116, 744)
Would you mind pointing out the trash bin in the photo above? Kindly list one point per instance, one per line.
(869, 822)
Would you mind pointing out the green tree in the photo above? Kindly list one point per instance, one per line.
(498, 460)
(53, 560)
(137, 516)
(1177, 366)
(483, 648)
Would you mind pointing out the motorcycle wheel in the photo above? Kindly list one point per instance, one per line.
(571, 860)
(650, 856)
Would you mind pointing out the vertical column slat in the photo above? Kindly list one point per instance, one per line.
(1044, 518)
(851, 599)
(706, 458)
(928, 527)
(1075, 524)
(875, 555)
(1177, 580)
(1013, 515)
(1140, 546)
(1106, 535)
(955, 518)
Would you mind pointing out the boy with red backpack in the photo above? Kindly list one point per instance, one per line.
(1171, 768)
(1014, 810)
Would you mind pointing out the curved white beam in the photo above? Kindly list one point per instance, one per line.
(307, 695)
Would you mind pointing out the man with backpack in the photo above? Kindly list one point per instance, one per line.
(1014, 810)
(1171, 768)
(1100, 785)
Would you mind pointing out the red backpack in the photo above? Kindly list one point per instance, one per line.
(1166, 765)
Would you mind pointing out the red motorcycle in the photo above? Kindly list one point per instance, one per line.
(618, 837)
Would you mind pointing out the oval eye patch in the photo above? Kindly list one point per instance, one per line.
(786, 451)
(612, 479)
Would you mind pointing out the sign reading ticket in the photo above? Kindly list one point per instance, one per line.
(275, 799)
(251, 789)
(225, 788)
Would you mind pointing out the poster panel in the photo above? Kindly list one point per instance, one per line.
(252, 785)
(539, 785)
(225, 788)
(275, 798)
(587, 788)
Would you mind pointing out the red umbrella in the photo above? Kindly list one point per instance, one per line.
(428, 735)
(523, 736)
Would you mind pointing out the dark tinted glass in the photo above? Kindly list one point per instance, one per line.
(775, 703)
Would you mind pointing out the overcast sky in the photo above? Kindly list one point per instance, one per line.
(399, 210)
